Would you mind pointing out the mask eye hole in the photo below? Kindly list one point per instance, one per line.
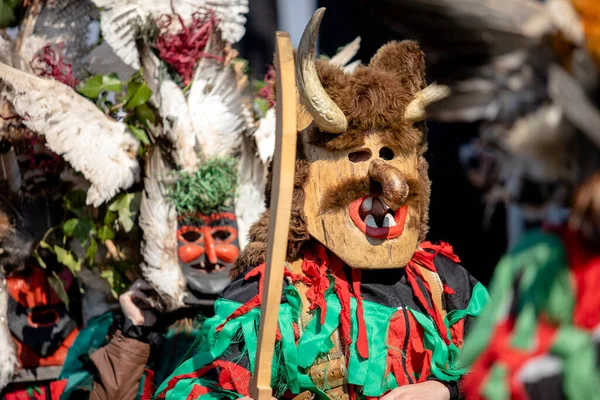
(191, 236)
(221, 235)
(359, 156)
(386, 154)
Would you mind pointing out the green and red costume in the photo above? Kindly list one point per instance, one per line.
(539, 336)
(390, 331)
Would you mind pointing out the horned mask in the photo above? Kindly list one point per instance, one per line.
(366, 189)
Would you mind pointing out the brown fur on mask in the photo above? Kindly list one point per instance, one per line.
(373, 99)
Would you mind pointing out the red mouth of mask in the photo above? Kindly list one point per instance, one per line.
(375, 219)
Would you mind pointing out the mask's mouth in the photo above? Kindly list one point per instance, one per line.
(375, 219)
(208, 267)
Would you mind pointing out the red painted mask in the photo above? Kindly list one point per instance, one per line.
(207, 247)
(38, 320)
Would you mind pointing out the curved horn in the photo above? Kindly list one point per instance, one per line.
(326, 114)
(416, 109)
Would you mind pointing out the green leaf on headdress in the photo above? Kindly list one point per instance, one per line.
(139, 134)
(137, 94)
(127, 206)
(67, 259)
(94, 86)
(59, 288)
(210, 189)
(7, 12)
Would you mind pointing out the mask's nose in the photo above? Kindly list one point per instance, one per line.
(209, 247)
(393, 183)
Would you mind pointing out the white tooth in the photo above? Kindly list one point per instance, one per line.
(370, 221)
(388, 221)
(367, 205)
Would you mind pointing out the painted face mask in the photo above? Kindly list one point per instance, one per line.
(39, 321)
(207, 246)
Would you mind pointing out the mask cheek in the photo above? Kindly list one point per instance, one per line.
(189, 252)
(227, 252)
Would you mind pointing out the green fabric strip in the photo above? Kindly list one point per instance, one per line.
(478, 301)
(87, 341)
(444, 358)
(537, 261)
(496, 387)
(316, 338)
(370, 373)
(215, 344)
(581, 375)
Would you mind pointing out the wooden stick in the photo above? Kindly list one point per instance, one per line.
(284, 160)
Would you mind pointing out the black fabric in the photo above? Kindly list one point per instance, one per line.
(460, 281)
(388, 287)
(242, 290)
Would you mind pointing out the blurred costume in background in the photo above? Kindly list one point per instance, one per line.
(368, 306)
(527, 71)
(539, 338)
(189, 120)
(40, 325)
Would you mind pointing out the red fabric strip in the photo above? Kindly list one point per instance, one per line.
(500, 351)
(148, 392)
(197, 391)
(585, 268)
(234, 377)
(362, 343)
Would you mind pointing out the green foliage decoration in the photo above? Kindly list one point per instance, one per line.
(131, 99)
(210, 189)
(90, 229)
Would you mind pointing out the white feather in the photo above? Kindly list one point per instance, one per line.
(95, 145)
(61, 21)
(173, 108)
(6, 49)
(265, 136)
(121, 20)
(250, 192)
(216, 107)
(158, 220)
(8, 358)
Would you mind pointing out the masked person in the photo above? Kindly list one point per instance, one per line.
(368, 308)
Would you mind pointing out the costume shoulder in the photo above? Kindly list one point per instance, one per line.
(464, 296)
(456, 279)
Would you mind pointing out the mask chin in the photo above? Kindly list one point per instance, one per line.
(204, 288)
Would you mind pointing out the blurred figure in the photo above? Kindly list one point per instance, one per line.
(539, 337)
